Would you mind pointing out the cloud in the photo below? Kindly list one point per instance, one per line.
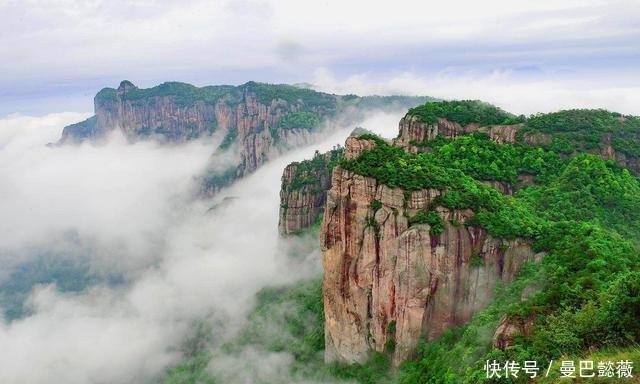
(130, 208)
(505, 88)
(99, 43)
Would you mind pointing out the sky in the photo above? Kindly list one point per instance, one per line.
(525, 56)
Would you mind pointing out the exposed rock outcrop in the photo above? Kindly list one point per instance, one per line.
(305, 184)
(508, 329)
(607, 151)
(304, 190)
(388, 284)
(413, 130)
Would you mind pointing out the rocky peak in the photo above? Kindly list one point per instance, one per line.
(354, 146)
(258, 121)
(389, 281)
(125, 86)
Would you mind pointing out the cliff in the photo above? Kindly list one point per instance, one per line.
(412, 130)
(258, 120)
(388, 282)
(179, 112)
(303, 191)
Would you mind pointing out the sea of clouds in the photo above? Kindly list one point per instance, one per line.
(132, 211)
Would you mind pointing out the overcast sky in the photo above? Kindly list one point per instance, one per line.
(526, 56)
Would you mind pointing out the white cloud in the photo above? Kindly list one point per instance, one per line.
(132, 204)
(520, 95)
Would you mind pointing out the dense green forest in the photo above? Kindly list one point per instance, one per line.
(563, 132)
(464, 112)
(185, 94)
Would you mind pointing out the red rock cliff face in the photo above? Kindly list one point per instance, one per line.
(385, 288)
(412, 129)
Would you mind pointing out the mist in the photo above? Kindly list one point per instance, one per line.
(130, 211)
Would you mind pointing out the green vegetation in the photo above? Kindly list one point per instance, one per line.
(301, 120)
(291, 319)
(186, 95)
(229, 138)
(215, 180)
(563, 132)
(484, 159)
(375, 205)
(68, 274)
(310, 173)
(614, 355)
(432, 218)
(192, 369)
(584, 130)
(297, 312)
(266, 93)
(183, 94)
(464, 112)
(105, 95)
(504, 216)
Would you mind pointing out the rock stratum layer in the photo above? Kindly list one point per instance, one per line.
(388, 284)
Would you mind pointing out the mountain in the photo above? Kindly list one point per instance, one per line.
(476, 235)
(257, 121)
